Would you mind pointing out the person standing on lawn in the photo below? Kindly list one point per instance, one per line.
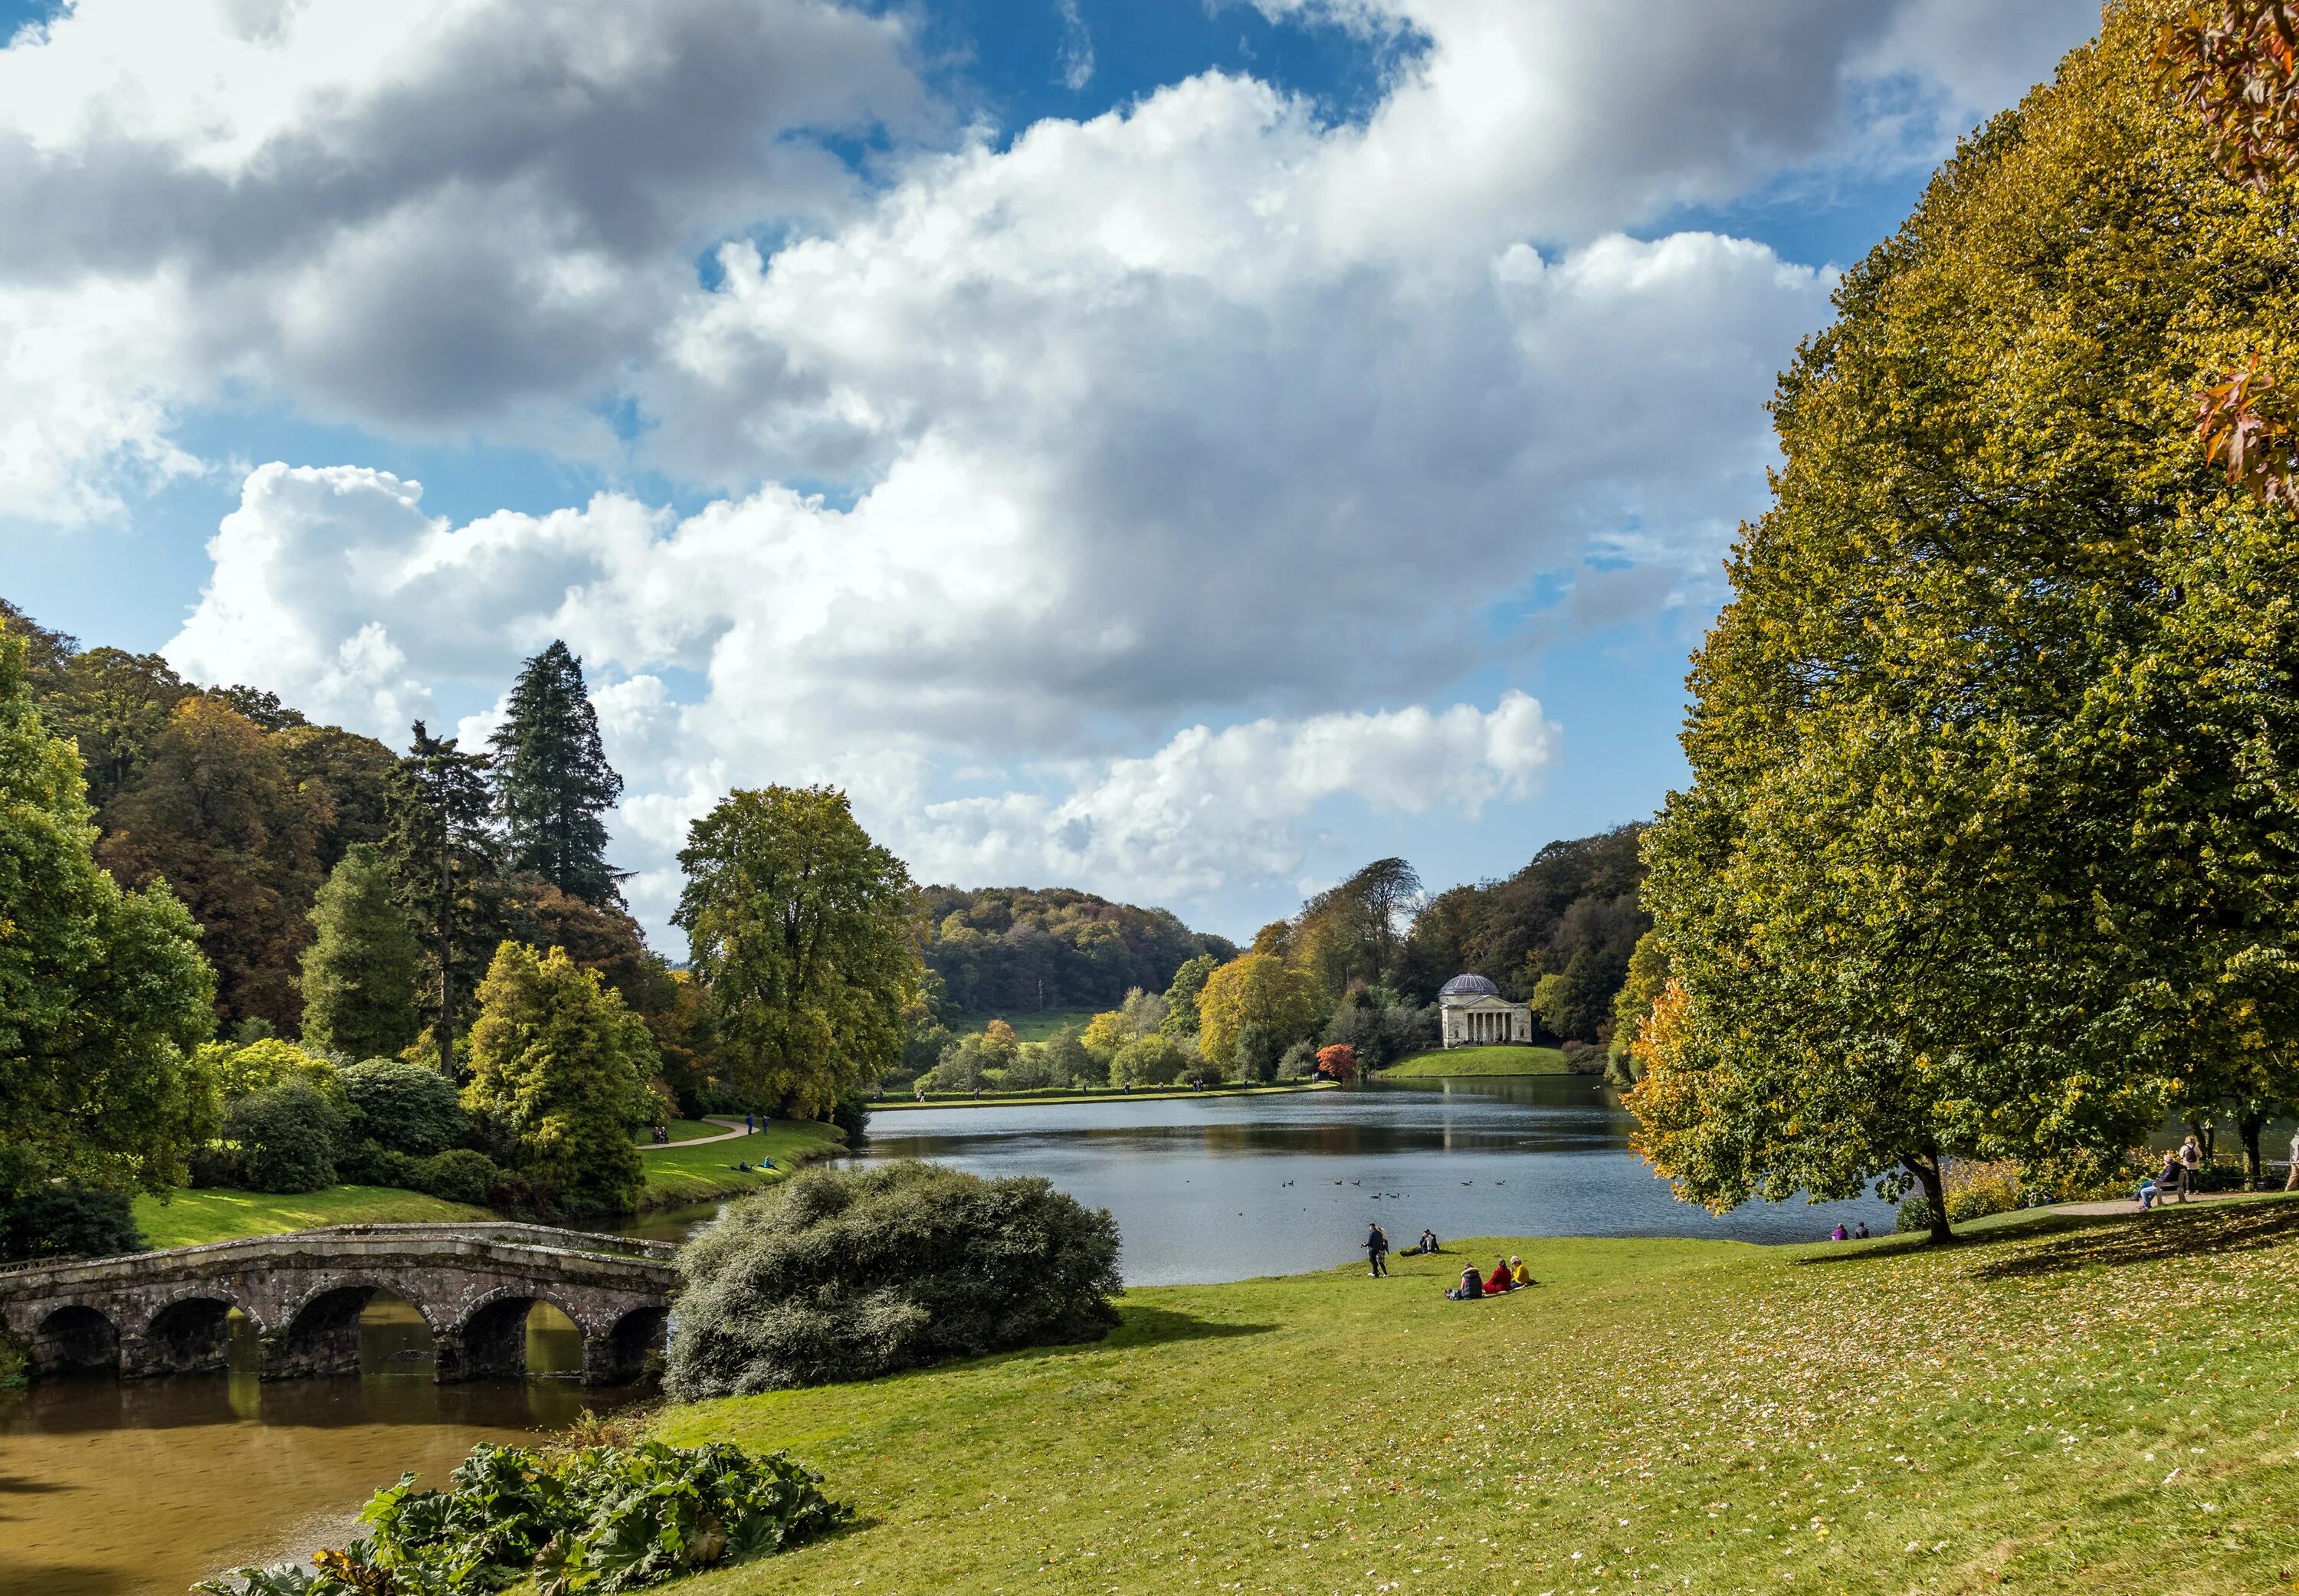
(2191, 1164)
(2291, 1180)
(1376, 1246)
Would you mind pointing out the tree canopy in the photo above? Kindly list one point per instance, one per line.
(361, 971)
(445, 857)
(102, 992)
(799, 926)
(553, 780)
(1987, 851)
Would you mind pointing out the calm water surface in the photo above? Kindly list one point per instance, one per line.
(112, 1488)
(1224, 1188)
(109, 1489)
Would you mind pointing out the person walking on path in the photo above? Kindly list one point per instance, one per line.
(2291, 1181)
(749, 1125)
(2191, 1164)
(1376, 1246)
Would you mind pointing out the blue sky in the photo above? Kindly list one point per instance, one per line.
(1180, 450)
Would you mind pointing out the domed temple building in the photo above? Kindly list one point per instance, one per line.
(1473, 1013)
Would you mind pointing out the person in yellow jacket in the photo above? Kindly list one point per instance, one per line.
(1518, 1273)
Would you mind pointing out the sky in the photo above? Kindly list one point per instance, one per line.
(1181, 448)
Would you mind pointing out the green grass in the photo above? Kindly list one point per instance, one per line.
(676, 1174)
(1032, 1026)
(2056, 1408)
(681, 1130)
(1500, 1060)
(190, 1217)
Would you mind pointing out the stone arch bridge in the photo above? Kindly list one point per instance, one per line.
(158, 1313)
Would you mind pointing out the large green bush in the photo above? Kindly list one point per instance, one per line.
(286, 1138)
(843, 1274)
(460, 1175)
(67, 1222)
(605, 1519)
(406, 1108)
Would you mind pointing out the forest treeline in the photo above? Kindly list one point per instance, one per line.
(1021, 949)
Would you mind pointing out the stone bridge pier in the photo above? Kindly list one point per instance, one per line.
(161, 1313)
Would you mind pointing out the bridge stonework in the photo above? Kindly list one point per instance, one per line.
(158, 1313)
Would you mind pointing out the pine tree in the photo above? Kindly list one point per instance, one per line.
(555, 780)
(445, 859)
(361, 974)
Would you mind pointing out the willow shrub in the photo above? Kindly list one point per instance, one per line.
(843, 1274)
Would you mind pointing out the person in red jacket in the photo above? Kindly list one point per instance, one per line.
(1499, 1280)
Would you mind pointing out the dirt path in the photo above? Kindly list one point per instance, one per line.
(2131, 1205)
(733, 1133)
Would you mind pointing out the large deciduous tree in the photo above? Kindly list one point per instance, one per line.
(1258, 989)
(215, 812)
(1991, 842)
(102, 992)
(558, 1079)
(554, 780)
(445, 857)
(362, 972)
(797, 923)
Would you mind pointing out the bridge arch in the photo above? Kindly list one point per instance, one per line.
(619, 1357)
(191, 1333)
(318, 1334)
(491, 1337)
(75, 1339)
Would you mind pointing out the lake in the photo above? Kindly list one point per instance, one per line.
(112, 1489)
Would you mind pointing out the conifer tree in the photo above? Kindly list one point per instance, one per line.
(445, 859)
(554, 782)
(361, 973)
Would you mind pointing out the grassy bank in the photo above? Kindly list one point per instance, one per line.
(1039, 1025)
(676, 1174)
(190, 1217)
(1103, 1095)
(1504, 1060)
(2091, 1407)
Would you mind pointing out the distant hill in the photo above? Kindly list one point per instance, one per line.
(1017, 950)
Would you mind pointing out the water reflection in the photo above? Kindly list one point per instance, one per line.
(109, 1486)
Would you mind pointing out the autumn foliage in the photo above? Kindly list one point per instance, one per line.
(1338, 1062)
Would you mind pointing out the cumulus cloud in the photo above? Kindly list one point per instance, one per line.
(1197, 426)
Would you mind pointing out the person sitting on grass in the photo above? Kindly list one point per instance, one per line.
(1470, 1288)
(1518, 1273)
(1500, 1280)
(1428, 1237)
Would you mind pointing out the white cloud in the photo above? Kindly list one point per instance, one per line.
(1206, 412)
(1212, 809)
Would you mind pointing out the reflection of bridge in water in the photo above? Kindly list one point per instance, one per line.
(157, 1313)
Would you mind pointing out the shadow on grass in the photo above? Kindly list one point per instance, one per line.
(2229, 1228)
(1155, 1326)
(2022, 1227)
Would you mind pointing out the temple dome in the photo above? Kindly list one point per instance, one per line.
(1468, 985)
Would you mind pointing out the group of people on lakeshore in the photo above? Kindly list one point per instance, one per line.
(1509, 1274)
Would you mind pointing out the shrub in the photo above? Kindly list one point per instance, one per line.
(1153, 1060)
(287, 1136)
(459, 1175)
(407, 1108)
(268, 1063)
(67, 1222)
(843, 1274)
(1583, 1058)
(368, 1164)
(1299, 1063)
(604, 1518)
(1338, 1062)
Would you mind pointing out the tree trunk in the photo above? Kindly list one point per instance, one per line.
(1926, 1169)
(2250, 1124)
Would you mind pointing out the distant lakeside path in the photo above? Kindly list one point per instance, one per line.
(1028, 1099)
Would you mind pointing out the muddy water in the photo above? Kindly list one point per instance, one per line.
(112, 1488)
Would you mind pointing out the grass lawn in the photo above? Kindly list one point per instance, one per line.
(1500, 1060)
(2092, 1407)
(192, 1217)
(681, 1130)
(1035, 1026)
(696, 1174)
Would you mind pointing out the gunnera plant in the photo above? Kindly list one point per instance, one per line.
(843, 1274)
